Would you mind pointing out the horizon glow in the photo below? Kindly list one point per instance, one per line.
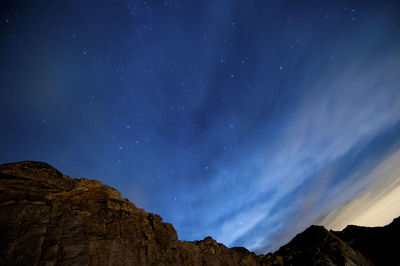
(246, 121)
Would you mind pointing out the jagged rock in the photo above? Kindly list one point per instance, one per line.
(316, 246)
(47, 218)
(379, 244)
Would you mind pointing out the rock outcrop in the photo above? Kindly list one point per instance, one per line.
(47, 218)
(317, 246)
(379, 244)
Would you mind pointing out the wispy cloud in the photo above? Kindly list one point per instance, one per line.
(378, 204)
(340, 113)
(243, 120)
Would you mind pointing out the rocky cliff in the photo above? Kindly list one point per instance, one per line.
(379, 244)
(317, 246)
(47, 218)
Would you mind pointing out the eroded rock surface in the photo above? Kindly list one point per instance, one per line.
(379, 244)
(317, 246)
(47, 218)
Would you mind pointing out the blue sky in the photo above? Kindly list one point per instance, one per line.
(246, 121)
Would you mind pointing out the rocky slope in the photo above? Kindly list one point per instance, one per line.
(317, 246)
(47, 218)
(379, 244)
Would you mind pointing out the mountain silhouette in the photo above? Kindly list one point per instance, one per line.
(47, 218)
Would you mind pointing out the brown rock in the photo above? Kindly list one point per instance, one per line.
(47, 218)
(316, 246)
(379, 244)
(50, 219)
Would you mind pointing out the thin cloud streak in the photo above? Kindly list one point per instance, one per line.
(378, 205)
(243, 120)
(339, 113)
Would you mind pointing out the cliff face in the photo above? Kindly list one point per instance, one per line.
(47, 218)
(379, 244)
(317, 246)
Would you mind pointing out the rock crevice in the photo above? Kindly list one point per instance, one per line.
(48, 218)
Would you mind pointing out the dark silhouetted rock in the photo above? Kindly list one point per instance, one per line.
(379, 244)
(316, 246)
(47, 218)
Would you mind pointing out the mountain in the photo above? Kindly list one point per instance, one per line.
(47, 218)
(317, 246)
(379, 244)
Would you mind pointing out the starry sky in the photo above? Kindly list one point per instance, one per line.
(244, 120)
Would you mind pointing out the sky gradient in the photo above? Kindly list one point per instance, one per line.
(244, 120)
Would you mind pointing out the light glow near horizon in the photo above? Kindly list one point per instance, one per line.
(243, 120)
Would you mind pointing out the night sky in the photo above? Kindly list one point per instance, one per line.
(244, 120)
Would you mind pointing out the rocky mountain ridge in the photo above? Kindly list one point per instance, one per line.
(47, 218)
